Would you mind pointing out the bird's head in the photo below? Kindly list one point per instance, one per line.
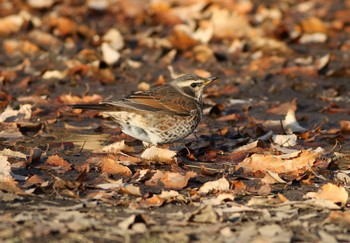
(192, 85)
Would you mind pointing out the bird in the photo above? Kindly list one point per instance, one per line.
(161, 115)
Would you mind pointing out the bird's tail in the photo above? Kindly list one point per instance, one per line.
(98, 107)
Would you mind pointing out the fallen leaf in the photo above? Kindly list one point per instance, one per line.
(285, 140)
(34, 180)
(54, 74)
(337, 217)
(39, 4)
(159, 155)
(24, 113)
(345, 125)
(7, 182)
(11, 24)
(272, 178)
(116, 147)
(10, 153)
(71, 99)
(111, 185)
(205, 214)
(114, 39)
(313, 25)
(219, 185)
(269, 162)
(182, 37)
(170, 180)
(131, 190)
(56, 160)
(218, 199)
(113, 167)
(174, 180)
(331, 192)
(154, 201)
(110, 56)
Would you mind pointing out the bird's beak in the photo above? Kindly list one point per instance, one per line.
(210, 79)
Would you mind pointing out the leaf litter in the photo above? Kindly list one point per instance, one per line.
(269, 161)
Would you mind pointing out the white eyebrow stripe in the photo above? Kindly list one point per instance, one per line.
(187, 83)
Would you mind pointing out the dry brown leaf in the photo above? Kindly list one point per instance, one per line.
(10, 185)
(159, 155)
(131, 190)
(82, 167)
(154, 181)
(14, 47)
(56, 160)
(154, 201)
(313, 25)
(170, 180)
(182, 37)
(64, 26)
(285, 140)
(336, 217)
(228, 24)
(71, 99)
(163, 13)
(219, 185)
(269, 162)
(113, 167)
(9, 114)
(219, 199)
(247, 146)
(43, 39)
(10, 130)
(173, 180)
(202, 53)
(54, 74)
(272, 178)
(10, 24)
(10, 153)
(331, 192)
(282, 198)
(111, 185)
(34, 180)
(116, 147)
(345, 125)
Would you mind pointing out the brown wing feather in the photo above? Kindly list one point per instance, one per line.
(161, 98)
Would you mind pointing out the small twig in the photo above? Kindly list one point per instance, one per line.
(82, 147)
(87, 90)
(284, 130)
(315, 173)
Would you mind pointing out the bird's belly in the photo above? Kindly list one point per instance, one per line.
(155, 128)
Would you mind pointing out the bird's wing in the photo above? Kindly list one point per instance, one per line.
(158, 100)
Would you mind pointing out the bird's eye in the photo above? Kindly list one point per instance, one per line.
(193, 85)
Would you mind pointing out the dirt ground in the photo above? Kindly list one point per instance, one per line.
(269, 162)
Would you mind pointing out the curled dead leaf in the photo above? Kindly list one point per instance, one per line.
(159, 155)
(331, 192)
(219, 185)
(56, 160)
(154, 201)
(273, 163)
(170, 180)
(113, 167)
